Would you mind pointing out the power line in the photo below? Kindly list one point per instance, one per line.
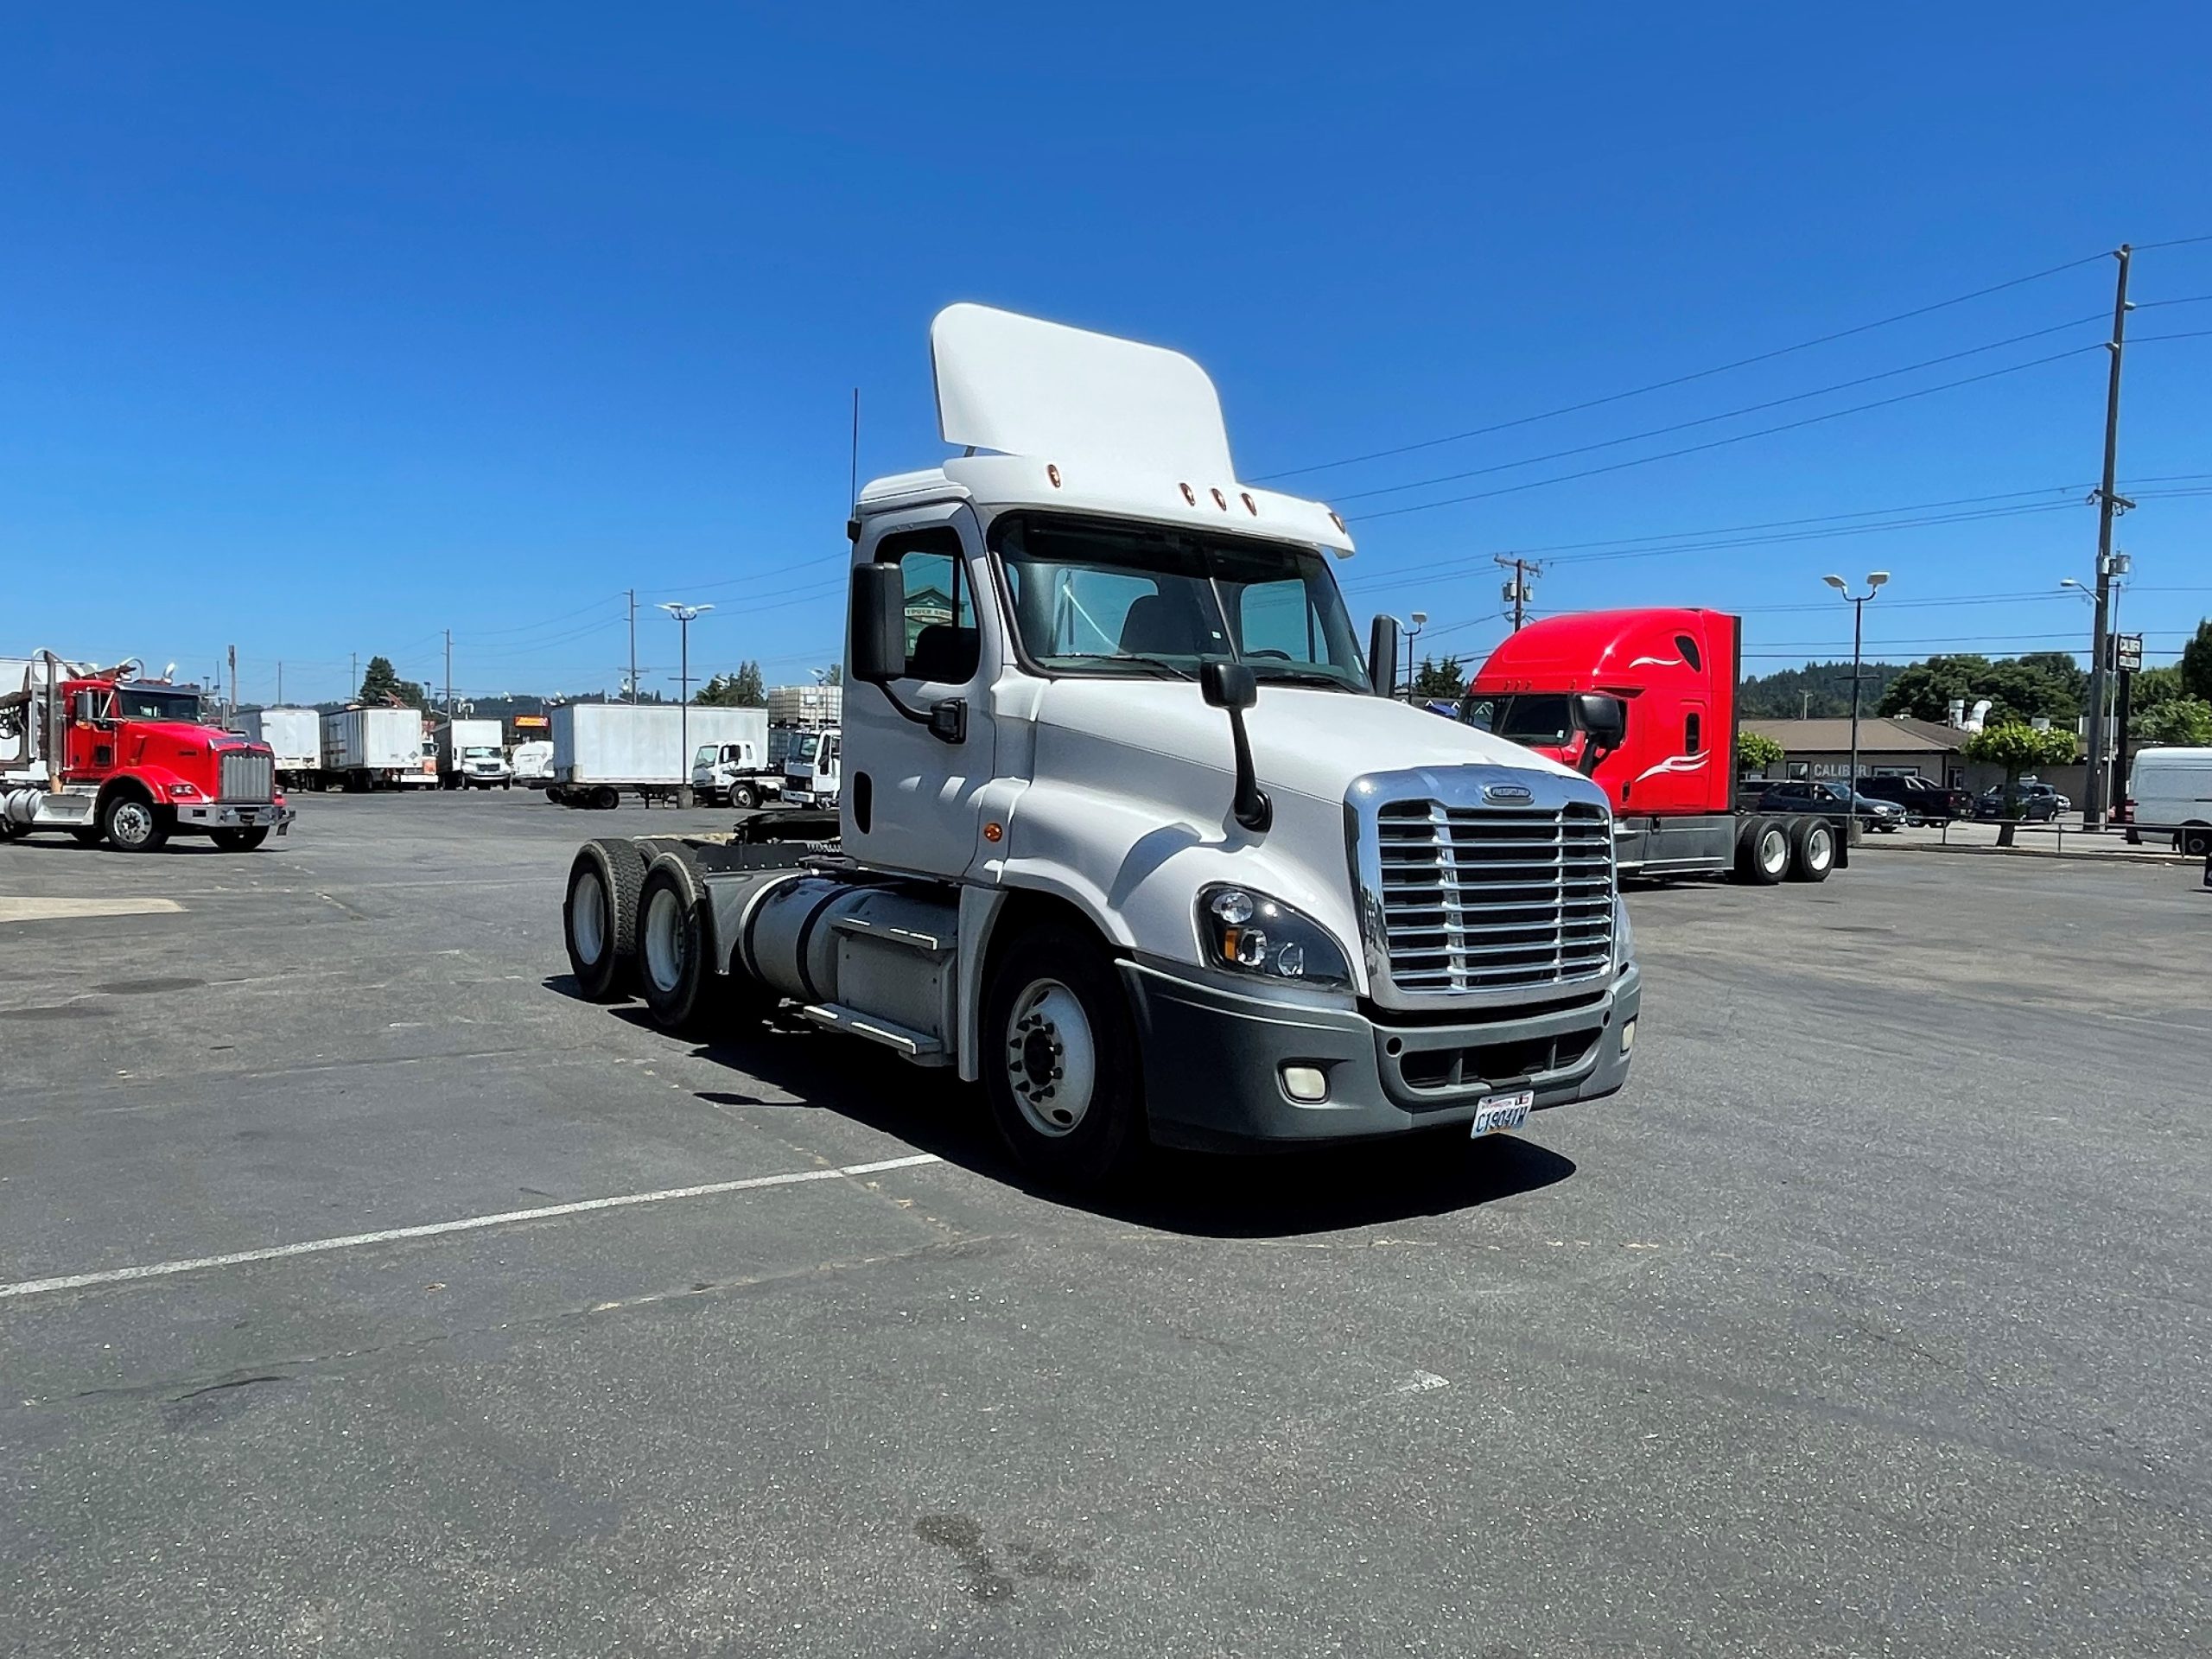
(1721, 443)
(1725, 414)
(2177, 242)
(1685, 379)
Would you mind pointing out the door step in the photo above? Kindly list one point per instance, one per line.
(917, 1045)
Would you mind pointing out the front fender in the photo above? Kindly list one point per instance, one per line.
(1136, 877)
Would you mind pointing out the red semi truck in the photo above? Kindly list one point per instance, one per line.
(107, 756)
(1644, 703)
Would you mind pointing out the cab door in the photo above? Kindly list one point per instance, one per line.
(94, 733)
(911, 800)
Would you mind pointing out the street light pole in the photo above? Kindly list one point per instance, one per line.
(1418, 621)
(685, 616)
(1874, 580)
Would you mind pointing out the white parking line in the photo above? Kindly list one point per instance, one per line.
(64, 910)
(467, 1224)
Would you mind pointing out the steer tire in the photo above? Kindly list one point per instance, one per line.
(1054, 1006)
(742, 797)
(599, 917)
(2195, 839)
(1812, 849)
(1762, 852)
(133, 823)
(237, 840)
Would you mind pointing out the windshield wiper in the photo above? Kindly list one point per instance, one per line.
(1174, 669)
(1300, 673)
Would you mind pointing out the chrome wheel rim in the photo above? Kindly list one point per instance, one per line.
(133, 822)
(1051, 1058)
(587, 917)
(1774, 850)
(664, 950)
(1820, 846)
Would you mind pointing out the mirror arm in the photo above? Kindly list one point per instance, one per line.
(1250, 804)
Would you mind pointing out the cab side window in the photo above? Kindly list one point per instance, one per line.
(942, 643)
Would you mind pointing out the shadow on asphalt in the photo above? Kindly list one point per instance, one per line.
(1272, 1195)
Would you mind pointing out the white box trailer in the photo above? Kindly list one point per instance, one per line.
(376, 748)
(294, 736)
(602, 749)
(472, 755)
(811, 706)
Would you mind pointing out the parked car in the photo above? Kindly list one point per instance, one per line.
(1835, 799)
(1921, 798)
(2039, 803)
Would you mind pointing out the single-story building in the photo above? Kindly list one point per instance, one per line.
(1887, 746)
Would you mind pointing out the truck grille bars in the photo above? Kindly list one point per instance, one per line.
(1494, 898)
(248, 777)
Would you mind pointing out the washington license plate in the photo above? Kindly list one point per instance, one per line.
(1496, 1112)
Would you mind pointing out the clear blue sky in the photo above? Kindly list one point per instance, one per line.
(322, 333)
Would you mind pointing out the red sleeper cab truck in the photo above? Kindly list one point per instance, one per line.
(1671, 769)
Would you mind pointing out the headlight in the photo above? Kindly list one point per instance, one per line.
(1248, 932)
(1624, 936)
(179, 791)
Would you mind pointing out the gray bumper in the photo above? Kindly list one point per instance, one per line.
(208, 815)
(1213, 1060)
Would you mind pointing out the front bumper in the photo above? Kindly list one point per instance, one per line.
(1214, 1058)
(212, 815)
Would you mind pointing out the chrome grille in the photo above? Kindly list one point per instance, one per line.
(247, 776)
(1494, 898)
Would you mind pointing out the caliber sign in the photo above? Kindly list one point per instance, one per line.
(2127, 653)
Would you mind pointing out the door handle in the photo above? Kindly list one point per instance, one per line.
(949, 721)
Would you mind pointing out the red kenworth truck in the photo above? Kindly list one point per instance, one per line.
(1644, 703)
(106, 755)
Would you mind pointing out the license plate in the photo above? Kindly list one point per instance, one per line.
(1496, 1112)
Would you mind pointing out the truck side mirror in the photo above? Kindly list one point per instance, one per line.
(1604, 721)
(1382, 656)
(879, 624)
(1228, 685)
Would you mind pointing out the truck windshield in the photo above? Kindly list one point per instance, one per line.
(707, 755)
(1530, 719)
(1094, 597)
(806, 747)
(479, 752)
(157, 703)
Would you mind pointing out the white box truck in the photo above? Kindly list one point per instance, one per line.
(603, 750)
(293, 735)
(1134, 835)
(472, 755)
(376, 748)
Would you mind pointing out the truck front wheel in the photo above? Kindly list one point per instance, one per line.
(1060, 1063)
(742, 797)
(133, 824)
(237, 840)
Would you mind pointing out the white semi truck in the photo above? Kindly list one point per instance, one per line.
(472, 755)
(1133, 834)
(813, 768)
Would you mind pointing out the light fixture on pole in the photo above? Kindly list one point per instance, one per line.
(685, 616)
(1857, 602)
(1413, 625)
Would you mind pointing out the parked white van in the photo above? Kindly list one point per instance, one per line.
(2173, 788)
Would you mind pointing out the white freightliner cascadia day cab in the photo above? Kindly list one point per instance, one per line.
(1127, 832)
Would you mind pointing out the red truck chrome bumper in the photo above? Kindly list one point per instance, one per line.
(212, 815)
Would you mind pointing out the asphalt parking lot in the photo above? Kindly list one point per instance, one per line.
(1874, 1317)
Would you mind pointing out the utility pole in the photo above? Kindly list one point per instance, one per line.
(234, 679)
(353, 685)
(280, 682)
(448, 674)
(1517, 592)
(2109, 504)
(633, 645)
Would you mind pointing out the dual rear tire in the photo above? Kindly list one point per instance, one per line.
(1771, 851)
